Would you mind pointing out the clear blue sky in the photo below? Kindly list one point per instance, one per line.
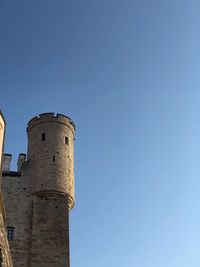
(128, 74)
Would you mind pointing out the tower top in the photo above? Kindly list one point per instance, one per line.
(51, 155)
(51, 116)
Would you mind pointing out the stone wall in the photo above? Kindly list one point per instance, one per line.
(2, 131)
(50, 233)
(39, 195)
(41, 236)
(17, 201)
(5, 257)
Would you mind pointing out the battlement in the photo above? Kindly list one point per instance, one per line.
(50, 116)
(7, 161)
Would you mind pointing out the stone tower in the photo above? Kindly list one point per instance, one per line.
(41, 193)
(50, 152)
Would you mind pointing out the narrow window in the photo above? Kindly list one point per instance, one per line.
(10, 232)
(1, 258)
(54, 158)
(43, 136)
(66, 140)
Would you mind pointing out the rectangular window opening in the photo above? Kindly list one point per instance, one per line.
(10, 232)
(43, 136)
(54, 158)
(66, 140)
(1, 258)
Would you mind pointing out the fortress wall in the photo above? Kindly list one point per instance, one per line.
(39, 195)
(17, 201)
(50, 233)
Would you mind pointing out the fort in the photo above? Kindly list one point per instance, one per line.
(36, 199)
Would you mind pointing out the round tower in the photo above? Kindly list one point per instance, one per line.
(51, 155)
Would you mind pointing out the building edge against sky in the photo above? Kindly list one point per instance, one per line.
(5, 256)
(41, 193)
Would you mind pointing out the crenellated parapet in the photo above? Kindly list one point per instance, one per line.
(6, 163)
(51, 116)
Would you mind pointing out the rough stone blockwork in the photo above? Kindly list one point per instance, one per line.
(5, 257)
(40, 194)
(50, 232)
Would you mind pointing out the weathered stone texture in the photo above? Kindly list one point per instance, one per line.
(50, 233)
(40, 194)
(17, 200)
(52, 160)
(2, 131)
(5, 250)
(5, 257)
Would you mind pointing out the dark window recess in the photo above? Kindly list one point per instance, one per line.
(43, 136)
(10, 232)
(54, 158)
(1, 258)
(67, 140)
